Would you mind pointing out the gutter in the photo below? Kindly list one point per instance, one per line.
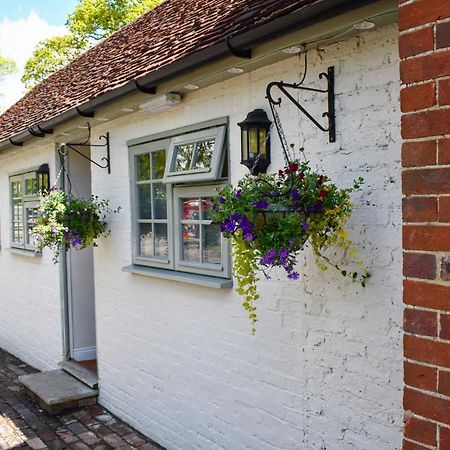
(305, 16)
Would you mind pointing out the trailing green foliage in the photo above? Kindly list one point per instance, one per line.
(66, 222)
(272, 217)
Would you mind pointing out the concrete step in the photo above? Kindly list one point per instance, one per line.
(87, 376)
(56, 391)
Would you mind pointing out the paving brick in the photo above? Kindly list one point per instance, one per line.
(78, 430)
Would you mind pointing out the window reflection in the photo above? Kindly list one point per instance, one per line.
(145, 239)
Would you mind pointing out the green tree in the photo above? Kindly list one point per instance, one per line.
(90, 22)
(6, 66)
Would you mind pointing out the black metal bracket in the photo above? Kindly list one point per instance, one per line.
(145, 89)
(106, 159)
(239, 53)
(330, 114)
(45, 130)
(41, 131)
(35, 133)
(17, 144)
(85, 113)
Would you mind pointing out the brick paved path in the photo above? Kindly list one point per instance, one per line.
(23, 425)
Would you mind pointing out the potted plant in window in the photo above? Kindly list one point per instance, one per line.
(65, 221)
(271, 218)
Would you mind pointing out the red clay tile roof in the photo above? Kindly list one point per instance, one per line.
(170, 32)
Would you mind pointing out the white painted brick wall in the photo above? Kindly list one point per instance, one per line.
(324, 370)
(30, 306)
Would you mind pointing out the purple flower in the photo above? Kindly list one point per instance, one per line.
(238, 193)
(76, 241)
(294, 275)
(246, 224)
(222, 199)
(249, 236)
(294, 194)
(262, 204)
(284, 253)
(318, 206)
(305, 226)
(269, 258)
(228, 225)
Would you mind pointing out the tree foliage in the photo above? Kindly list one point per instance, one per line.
(49, 56)
(6, 66)
(90, 22)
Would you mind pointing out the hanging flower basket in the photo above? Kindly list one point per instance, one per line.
(67, 222)
(272, 217)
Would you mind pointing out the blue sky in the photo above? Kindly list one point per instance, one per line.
(52, 11)
(24, 23)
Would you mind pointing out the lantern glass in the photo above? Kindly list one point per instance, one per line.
(262, 142)
(43, 178)
(253, 143)
(244, 145)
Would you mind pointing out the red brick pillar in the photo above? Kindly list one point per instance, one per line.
(425, 103)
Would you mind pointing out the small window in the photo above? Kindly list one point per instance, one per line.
(172, 225)
(195, 156)
(24, 194)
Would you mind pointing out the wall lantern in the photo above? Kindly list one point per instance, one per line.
(255, 141)
(43, 178)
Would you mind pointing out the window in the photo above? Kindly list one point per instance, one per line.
(172, 227)
(24, 193)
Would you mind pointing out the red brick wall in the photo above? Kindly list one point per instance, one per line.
(425, 103)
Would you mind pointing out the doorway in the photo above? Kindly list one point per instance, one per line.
(80, 333)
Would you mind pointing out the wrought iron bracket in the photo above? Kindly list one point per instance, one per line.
(145, 89)
(330, 114)
(106, 159)
(238, 52)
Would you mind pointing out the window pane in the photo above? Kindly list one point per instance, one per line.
(191, 243)
(16, 188)
(31, 186)
(17, 233)
(161, 243)
(190, 209)
(203, 155)
(145, 239)
(158, 164)
(160, 200)
(211, 245)
(31, 217)
(206, 209)
(183, 157)
(17, 211)
(145, 201)
(143, 164)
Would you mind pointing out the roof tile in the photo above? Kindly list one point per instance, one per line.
(169, 32)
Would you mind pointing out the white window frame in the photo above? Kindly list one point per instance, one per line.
(179, 185)
(29, 201)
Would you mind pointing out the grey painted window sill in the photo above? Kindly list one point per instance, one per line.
(23, 252)
(182, 277)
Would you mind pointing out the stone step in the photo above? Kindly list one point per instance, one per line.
(87, 376)
(55, 391)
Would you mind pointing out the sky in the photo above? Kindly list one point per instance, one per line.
(23, 23)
